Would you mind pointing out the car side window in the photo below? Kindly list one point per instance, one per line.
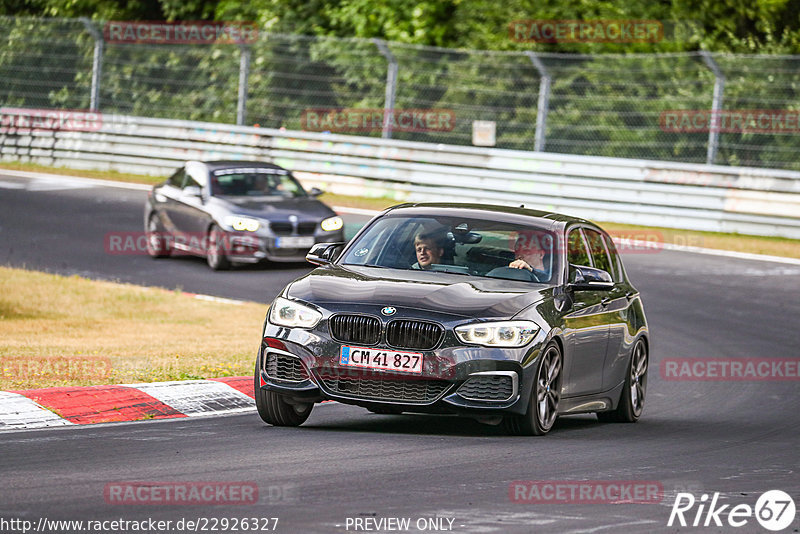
(616, 262)
(577, 253)
(598, 249)
(176, 180)
(189, 181)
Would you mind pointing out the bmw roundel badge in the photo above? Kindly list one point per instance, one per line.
(388, 310)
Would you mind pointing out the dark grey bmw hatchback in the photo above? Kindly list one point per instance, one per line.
(500, 314)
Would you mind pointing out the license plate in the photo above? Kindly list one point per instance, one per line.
(295, 242)
(387, 360)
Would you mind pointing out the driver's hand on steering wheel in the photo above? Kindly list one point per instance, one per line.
(520, 264)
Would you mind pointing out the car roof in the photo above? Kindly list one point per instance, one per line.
(233, 164)
(501, 213)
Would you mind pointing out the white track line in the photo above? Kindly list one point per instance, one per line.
(75, 180)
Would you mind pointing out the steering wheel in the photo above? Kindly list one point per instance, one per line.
(510, 273)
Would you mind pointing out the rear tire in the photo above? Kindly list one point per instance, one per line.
(215, 253)
(631, 402)
(275, 411)
(543, 406)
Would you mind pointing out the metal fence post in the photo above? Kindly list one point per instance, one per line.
(543, 105)
(391, 87)
(244, 76)
(97, 63)
(716, 106)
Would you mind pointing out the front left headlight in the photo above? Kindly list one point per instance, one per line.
(332, 223)
(242, 223)
(285, 312)
(498, 334)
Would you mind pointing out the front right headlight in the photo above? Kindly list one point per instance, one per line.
(285, 312)
(498, 334)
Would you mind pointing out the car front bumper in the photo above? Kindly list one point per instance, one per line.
(253, 248)
(455, 379)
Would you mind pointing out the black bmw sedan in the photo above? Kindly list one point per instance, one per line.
(501, 314)
(237, 212)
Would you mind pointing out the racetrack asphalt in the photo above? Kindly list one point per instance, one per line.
(738, 438)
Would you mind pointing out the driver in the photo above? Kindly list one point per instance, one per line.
(530, 249)
(429, 250)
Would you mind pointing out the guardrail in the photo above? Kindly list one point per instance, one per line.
(655, 193)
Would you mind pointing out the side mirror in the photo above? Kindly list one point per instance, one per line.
(324, 253)
(315, 192)
(583, 278)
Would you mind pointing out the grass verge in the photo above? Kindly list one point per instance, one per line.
(70, 331)
(773, 246)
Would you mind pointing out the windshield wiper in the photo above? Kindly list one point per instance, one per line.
(366, 265)
(448, 271)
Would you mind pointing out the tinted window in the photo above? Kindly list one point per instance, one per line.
(190, 181)
(616, 262)
(576, 249)
(457, 245)
(176, 180)
(255, 181)
(598, 249)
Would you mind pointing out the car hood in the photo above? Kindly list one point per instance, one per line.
(450, 294)
(277, 208)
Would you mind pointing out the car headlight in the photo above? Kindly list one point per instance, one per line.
(332, 223)
(242, 223)
(498, 334)
(285, 312)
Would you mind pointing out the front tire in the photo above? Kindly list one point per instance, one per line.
(157, 245)
(631, 402)
(215, 253)
(275, 411)
(543, 406)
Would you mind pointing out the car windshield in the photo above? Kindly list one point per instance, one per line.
(472, 247)
(255, 181)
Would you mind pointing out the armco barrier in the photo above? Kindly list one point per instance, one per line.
(698, 197)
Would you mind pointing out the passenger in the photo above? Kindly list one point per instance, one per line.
(530, 250)
(429, 250)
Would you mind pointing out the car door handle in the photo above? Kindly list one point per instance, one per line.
(605, 301)
(630, 294)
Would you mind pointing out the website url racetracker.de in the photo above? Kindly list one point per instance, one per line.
(197, 524)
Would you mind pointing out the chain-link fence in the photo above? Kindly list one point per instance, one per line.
(605, 105)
